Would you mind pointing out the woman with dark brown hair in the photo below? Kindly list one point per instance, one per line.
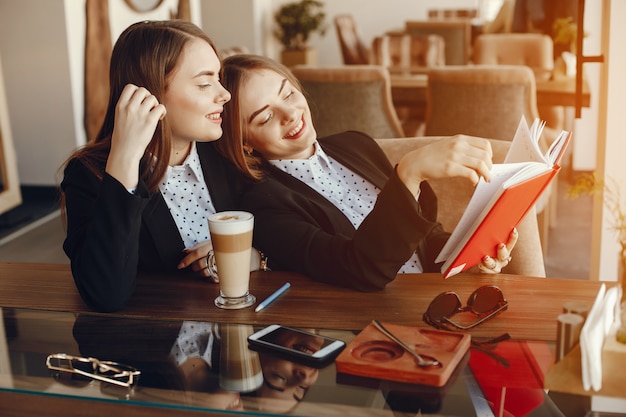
(137, 197)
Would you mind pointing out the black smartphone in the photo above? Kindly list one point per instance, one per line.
(298, 345)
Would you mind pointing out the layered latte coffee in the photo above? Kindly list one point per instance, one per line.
(231, 235)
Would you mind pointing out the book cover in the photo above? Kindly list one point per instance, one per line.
(500, 205)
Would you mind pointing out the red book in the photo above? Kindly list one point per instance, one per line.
(497, 207)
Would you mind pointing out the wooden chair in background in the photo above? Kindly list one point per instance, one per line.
(405, 52)
(452, 13)
(503, 21)
(401, 52)
(353, 50)
(457, 34)
(350, 97)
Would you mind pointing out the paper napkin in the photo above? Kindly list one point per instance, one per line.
(596, 328)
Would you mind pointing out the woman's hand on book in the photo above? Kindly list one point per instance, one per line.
(491, 265)
(457, 156)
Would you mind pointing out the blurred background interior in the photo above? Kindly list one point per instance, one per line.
(53, 71)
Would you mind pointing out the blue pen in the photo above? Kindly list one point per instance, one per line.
(269, 300)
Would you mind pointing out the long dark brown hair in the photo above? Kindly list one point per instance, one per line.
(145, 54)
(235, 70)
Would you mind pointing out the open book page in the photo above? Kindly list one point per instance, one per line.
(525, 143)
(485, 194)
(557, 148)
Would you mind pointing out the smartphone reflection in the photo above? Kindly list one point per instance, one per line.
(307, 342)
(286, 382)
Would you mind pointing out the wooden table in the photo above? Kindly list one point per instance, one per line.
(408, 88)
(561, 91)
(534, 303)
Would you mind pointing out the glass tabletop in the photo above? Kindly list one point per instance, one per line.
(209, 366)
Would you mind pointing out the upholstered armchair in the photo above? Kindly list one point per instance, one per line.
(482, 100)
(485, 101)
(350, 97)
(453, 195)
(534, 50)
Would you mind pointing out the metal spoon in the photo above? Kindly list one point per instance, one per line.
(423, 361)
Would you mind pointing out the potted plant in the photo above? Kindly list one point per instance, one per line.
(565, 32)
(296, 22)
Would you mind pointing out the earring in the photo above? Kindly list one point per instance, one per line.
(247, 149)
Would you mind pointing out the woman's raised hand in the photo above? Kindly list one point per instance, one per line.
(137, 114)
(457, 156)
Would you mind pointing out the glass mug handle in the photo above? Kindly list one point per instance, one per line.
(257, 262)
(211, 266)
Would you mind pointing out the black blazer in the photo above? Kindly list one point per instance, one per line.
(300, 230)
(111, 234)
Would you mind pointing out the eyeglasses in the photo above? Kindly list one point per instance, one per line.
(485, 302)
(105, 371)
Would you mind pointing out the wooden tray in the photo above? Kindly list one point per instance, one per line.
(372, 354)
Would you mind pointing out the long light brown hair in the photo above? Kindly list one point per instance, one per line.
(145, 54)
(235, 70)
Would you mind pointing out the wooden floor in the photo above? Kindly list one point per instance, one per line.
(569, 248)
(568, 252)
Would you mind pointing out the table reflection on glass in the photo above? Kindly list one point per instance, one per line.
(184, 365)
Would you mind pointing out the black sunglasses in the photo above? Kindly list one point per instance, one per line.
(485, 302)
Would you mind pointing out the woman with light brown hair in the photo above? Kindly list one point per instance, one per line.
(334, 208)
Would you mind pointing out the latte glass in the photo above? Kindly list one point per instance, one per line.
(231, 234)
